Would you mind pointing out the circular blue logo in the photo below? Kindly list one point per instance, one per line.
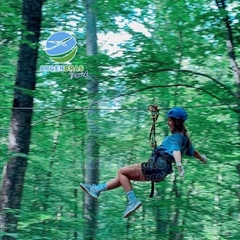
(61, 47)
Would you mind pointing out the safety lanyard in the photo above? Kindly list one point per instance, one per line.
(152, 136)
(154, 114)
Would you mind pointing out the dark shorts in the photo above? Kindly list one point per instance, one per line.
(156, 170)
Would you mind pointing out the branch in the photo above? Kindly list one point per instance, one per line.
(58, 115)
(191, 72)
(167, 86)
(160, 86)
(178, 70)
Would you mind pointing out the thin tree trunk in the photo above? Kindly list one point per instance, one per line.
(20, 129)
(229, 42)
(160, 214)
(49, 173)
(232, 55)
(75, 234)
(185, 207)
(47, 190)
(76, 142)
(238, 169)
(92, 170)
(233, 63)
(174, 234)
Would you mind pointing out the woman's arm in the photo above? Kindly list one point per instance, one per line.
(202, 158)
(178, 159)
(177, 156)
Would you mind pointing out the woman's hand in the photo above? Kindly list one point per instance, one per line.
(204, 159)
(180, 169)
(178, 158)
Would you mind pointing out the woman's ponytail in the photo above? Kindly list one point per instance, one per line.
(179, 127)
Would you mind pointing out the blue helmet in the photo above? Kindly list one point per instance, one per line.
(178, 113)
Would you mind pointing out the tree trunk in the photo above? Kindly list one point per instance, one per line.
(233, 63)
(20, 129)
(230, 43)
(232, 56)
(238, 169)
(174, 233)
(160, 213)
(92, 170)
(55, 142)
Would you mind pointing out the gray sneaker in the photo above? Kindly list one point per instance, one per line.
(131, 207)
(89, 189)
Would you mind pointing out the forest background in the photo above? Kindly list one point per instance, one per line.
(83, 129)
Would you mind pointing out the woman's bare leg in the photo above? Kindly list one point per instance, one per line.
(125, 174)
(132, 172)
(114, 183)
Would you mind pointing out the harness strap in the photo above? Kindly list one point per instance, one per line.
(152, 190)
(167, 159)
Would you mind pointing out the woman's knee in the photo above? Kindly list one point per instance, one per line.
(126, 171)
(122, 171)
(133, 172)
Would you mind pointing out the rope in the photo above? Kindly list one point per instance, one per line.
(154, 114)
(152, 136)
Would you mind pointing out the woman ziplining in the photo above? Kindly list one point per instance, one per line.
(170, 151)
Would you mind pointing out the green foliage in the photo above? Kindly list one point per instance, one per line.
(182, 61)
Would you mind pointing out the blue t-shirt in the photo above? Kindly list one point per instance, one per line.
(175, 142)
